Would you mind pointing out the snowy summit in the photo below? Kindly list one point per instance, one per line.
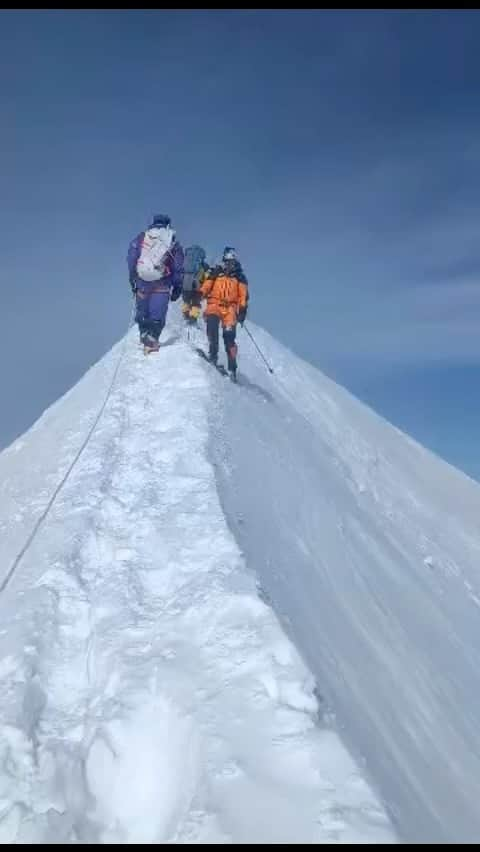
(250, 614)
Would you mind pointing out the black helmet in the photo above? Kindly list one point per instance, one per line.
(229, 253)
(161, 220)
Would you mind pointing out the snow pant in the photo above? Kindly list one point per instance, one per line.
(229, 331)
(152, 306)
(192, 298)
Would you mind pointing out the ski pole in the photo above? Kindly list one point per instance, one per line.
(270, 370)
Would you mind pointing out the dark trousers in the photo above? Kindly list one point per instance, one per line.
(213, 328)
(152, 310)
(192, 298)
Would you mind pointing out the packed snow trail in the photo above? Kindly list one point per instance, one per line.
(147, 694)
(368, 548)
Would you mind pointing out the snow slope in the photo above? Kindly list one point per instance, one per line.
(368, 548)
(147, 693)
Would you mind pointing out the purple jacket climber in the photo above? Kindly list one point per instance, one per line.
(155, 269)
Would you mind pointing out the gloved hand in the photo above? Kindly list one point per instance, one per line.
(242, 315)
(175, 294)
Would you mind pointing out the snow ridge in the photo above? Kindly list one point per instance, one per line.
(148, 694)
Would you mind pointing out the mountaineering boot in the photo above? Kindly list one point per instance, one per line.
(150, 344)
(191, 314)
(186, 313)
(195, 313)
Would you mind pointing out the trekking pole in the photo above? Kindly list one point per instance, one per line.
(270, 370)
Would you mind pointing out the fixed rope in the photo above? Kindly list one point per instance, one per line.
(62, 482)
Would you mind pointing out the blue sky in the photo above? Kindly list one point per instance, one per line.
(338, 151)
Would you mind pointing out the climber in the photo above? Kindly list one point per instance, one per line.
(226, 291)
(195, 267)
(155, 267)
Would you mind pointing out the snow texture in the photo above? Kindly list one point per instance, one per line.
(148, 690)
(367, 546)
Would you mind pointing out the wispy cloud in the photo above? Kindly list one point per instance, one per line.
(337, 150)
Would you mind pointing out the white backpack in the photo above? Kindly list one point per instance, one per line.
(156, 244)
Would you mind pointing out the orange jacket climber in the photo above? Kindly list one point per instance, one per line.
(226, 291)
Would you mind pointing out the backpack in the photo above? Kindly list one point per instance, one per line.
(193, 267)
(156, 245)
